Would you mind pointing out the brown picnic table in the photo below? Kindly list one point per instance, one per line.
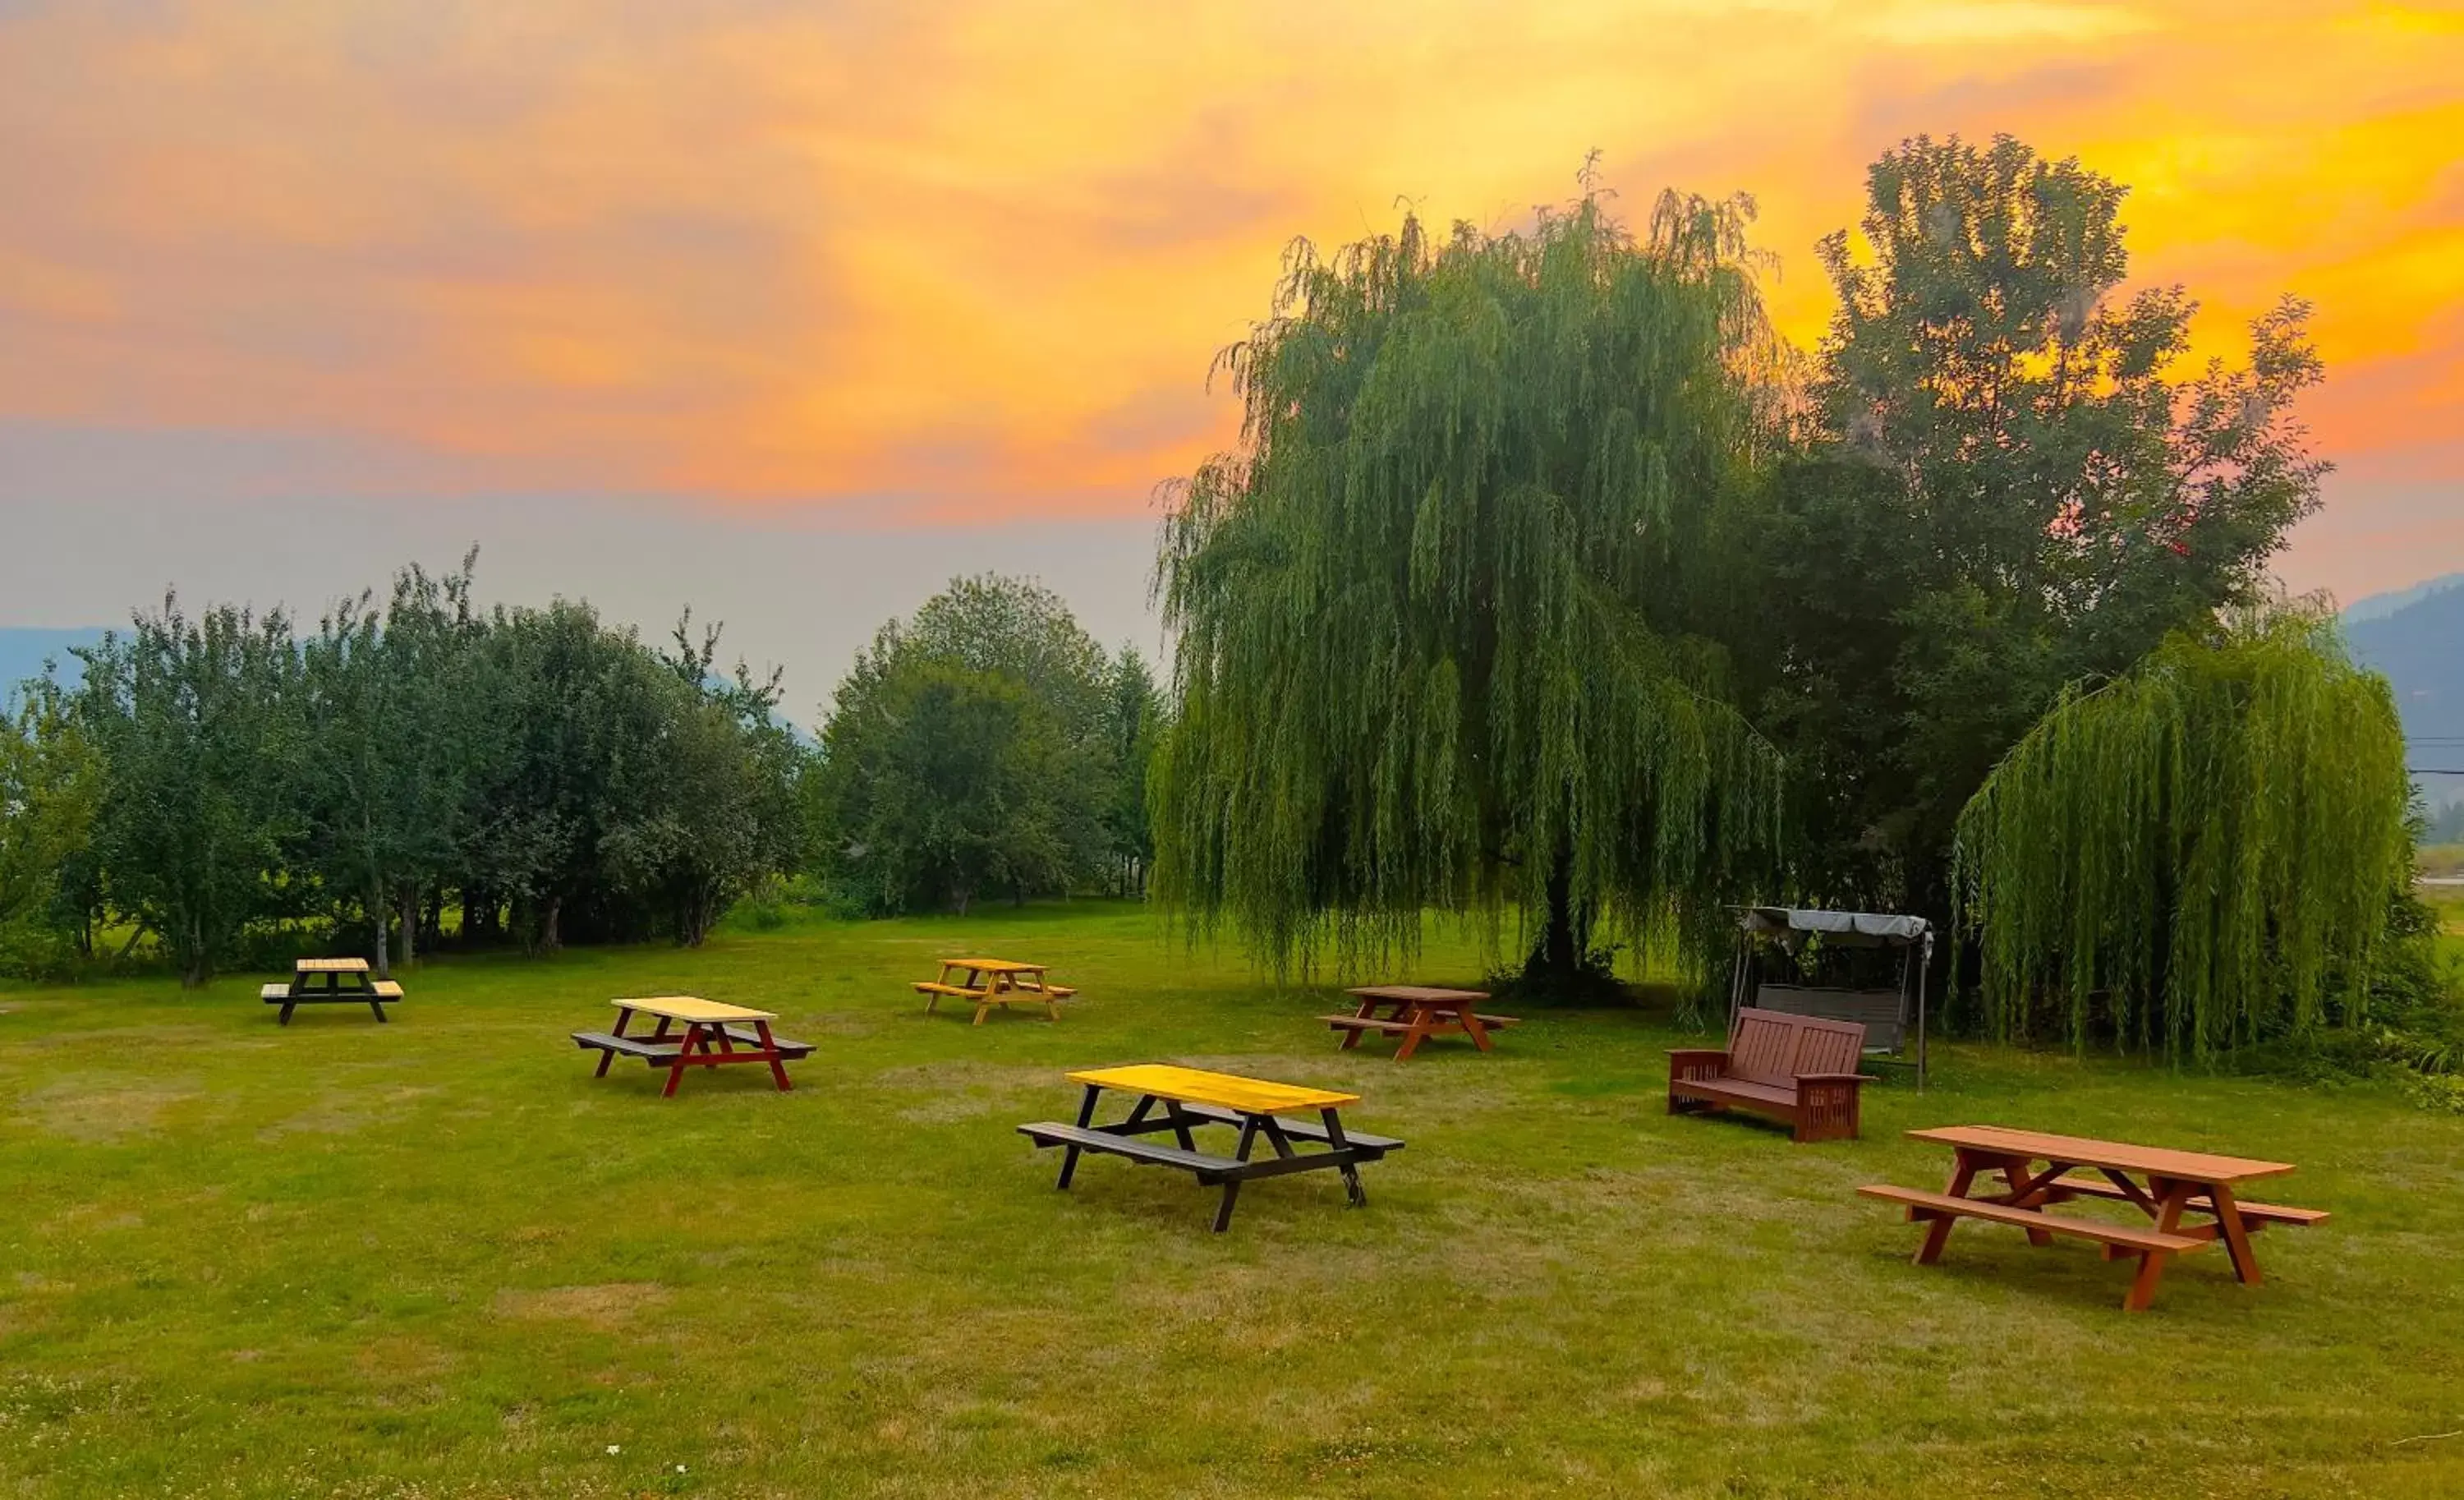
(1416, 1012)
(331, 981)
(986, 982)
(714, 1035)
(2167, 1187)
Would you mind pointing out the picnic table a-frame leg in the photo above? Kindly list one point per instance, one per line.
(1352, 1190)
(1419, 1032)
(1085, 1119)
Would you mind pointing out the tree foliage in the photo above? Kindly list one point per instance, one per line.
(546, 775)
(2010, 485)
(2197, 854)
(980, 749)
(1435, 618)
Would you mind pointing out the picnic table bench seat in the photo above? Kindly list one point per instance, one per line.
(1798, 1068)
(1923, 1205)
(1210, 1170)
(2258, 1214)
(1392, 1028)
(663, 1050)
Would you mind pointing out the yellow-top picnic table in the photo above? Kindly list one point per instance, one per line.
(1192, 1097)
(715, 1034)
(328, 982)
(994, 981)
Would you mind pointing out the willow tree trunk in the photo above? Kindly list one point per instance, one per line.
(1557, 958)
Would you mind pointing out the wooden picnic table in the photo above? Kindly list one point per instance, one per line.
(330, 981)
(1416, 1012)
(994, 981)
(1190, 1098)
(714, 1035)
(2165, 1185)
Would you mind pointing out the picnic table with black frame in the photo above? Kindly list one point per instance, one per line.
(331, 981)
(2166, 1185)
(714, 1035)
(1416, 1012)
(1181, 1100)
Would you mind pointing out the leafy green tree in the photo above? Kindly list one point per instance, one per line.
(2196, 854)
(971, 749)
(2012, 486)
(50, 782)
(1439, 618)
(1135, 719)
(200, 723)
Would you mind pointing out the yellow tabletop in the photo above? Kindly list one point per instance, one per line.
(993, 965)
(690, 1008)
(1226, 1090)
(330, 966)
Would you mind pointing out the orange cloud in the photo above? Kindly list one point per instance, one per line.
(915, 262)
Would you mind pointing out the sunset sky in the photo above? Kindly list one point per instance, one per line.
(792, 309)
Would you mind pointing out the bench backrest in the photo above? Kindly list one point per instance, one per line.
(1881, 1012)
(1772, 1047)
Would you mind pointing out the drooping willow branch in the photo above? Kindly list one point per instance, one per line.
(2196, 855)
(1432, 616)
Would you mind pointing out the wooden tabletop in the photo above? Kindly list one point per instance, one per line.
(1421, 995)
(993, 965)
(330, 966)
(690, 1008)
(1226, 1090)
(2184, 1166)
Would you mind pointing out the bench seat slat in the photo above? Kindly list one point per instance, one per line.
(1298, 1129)
(1209, 1169)
(2271, 1213)
(1924, 1205)
(665, 1048)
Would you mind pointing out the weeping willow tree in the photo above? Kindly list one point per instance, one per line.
(2196, 855)
(1430, 617)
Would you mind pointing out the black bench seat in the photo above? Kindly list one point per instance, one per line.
(662, 1051)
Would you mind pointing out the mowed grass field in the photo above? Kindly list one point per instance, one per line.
(437, 1258)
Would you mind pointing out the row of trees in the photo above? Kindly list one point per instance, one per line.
(537, 777)
(1547, 587)
(541, 774)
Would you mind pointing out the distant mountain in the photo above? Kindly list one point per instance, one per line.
(2378, 606)
(2419, 644)
(23, 653)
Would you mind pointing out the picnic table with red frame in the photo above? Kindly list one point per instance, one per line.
(2167, 1187)
(714, 1035)
(1416, 1012)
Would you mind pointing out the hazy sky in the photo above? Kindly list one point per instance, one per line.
(794, 309)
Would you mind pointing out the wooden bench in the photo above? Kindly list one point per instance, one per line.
(1210, 1170)
(1798, 1068)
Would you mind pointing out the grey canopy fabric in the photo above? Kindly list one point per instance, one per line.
(1858, 928)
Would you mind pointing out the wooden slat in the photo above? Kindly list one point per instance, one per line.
(1298, 1129)
(2271, 1213)
(1196, 1086)
(1052, 1133)
(993, 965)
(1937, 1204)
(690, 1007)
(2181, 1166)
(331, 966)
(1419, 994)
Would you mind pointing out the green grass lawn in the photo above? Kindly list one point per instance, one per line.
(436, 1258)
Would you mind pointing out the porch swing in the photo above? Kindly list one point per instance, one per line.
(1893, 1014)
